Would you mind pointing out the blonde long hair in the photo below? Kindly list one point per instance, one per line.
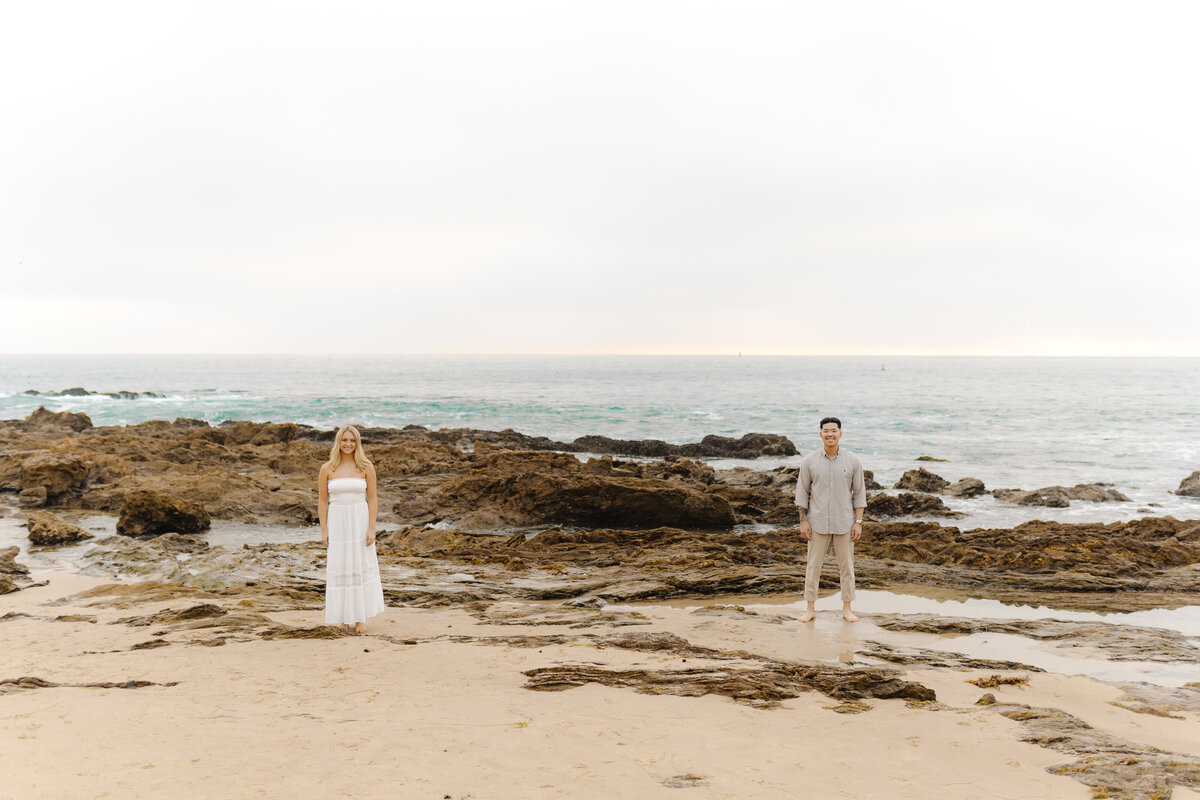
(361, 462)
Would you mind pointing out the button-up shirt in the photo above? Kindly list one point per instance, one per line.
(831, 488)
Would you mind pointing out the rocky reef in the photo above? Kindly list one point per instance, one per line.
(264, 472)
(603, 530)
(1117, 567)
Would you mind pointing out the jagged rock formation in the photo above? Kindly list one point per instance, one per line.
(266, 472)
(921, 480)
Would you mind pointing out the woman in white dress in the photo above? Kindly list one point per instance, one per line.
(347, 506)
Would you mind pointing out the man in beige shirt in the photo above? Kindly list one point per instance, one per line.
(832, 496)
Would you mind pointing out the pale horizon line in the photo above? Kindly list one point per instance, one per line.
(598, 354)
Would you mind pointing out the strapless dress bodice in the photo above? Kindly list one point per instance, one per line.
(347, 490)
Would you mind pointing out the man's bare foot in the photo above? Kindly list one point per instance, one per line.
(808, 616)
(849, 615)
(359, 628)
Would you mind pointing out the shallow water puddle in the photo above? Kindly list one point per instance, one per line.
(1047, 655)
(1186, 619)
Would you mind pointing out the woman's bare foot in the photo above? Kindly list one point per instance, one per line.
(360, 628)
(346, 627)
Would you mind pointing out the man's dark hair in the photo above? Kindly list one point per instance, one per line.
(827, 420)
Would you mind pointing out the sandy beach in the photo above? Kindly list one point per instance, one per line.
(433, 703)
(566, 626)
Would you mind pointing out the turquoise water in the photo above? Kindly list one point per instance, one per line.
(1014, 422)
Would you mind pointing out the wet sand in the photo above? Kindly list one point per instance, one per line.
(410, 711)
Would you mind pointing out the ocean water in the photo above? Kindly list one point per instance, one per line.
(1013, 422)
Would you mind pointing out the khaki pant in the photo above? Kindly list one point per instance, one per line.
(843, 551)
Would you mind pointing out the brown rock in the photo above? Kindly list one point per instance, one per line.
(1061, 496)
(10, 467)
(872, 485)
(105, 469)
(1190, 486)
(44, 418)
(34, 497)
(12, 574)
(148, 513)
(759, 504)
(530, 498)
(752, 445)
(921, 480)
(175, 543)
(967, 487)
(599, 466)
(1065, 551)
(259, 433)
(742, 476)
(759, 496)
(762, 685)
(677, 468)
(420, 458)
(1096, 493)
(1108, 765)
(1049, 496)
(907, 505)
(527, 460)
(58, 473)
(47, 530)
(942, 659)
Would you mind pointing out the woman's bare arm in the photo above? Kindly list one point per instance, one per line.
(372, 505)
(323, 503)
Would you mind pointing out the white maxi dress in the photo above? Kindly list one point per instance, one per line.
(352, 588)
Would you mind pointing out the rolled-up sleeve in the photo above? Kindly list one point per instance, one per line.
(803, 482)
(858, 486)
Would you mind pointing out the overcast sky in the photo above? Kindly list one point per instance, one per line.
(553, 177)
